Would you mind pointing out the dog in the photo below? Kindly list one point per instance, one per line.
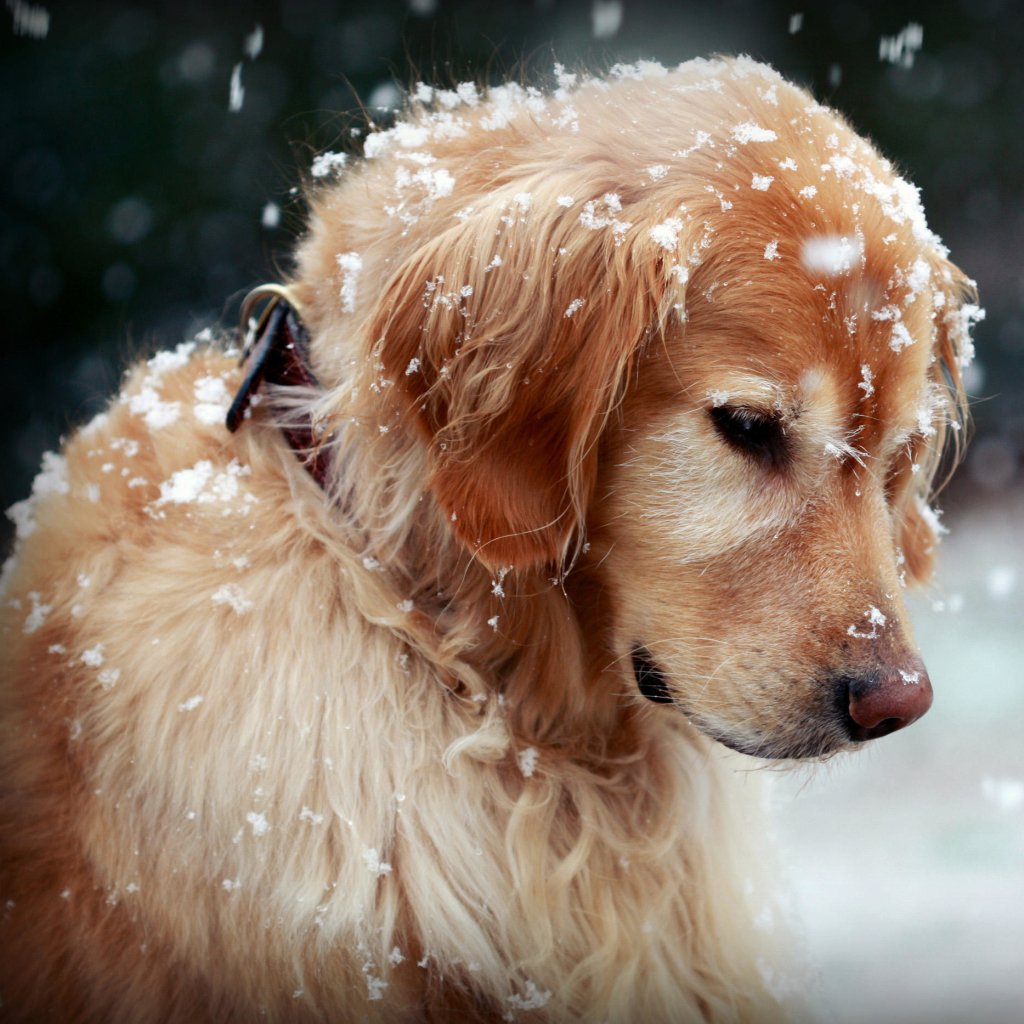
(584, 457)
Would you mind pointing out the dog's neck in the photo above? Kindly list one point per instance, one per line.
(525, 630)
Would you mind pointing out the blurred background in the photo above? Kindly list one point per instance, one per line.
(149, 158)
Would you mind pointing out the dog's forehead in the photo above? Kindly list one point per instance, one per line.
(778, 336)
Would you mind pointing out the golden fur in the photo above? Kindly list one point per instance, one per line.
(381, 755)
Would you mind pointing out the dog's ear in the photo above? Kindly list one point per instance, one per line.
(509, 339)
(955, 313)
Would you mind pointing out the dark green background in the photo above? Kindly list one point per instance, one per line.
(131, 197)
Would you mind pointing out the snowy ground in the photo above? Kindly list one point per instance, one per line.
(907, 859)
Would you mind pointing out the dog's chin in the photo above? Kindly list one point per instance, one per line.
(816, 746)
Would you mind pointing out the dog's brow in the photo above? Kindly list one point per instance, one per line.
(752, 392)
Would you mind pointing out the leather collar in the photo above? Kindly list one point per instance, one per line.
(277, 352)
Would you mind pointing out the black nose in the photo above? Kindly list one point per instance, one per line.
(880, 702)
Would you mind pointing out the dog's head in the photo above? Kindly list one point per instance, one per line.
(691, 332)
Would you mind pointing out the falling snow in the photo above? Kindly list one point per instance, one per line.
(236, 97)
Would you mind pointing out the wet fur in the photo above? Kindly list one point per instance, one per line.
(347, 827)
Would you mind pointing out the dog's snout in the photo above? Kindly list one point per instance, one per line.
(881, 701)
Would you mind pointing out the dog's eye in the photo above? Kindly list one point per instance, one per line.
(758, 436)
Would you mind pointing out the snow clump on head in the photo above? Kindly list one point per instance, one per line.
(832, 255)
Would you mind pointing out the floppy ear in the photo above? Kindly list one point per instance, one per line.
(509, 339)
(956, 311)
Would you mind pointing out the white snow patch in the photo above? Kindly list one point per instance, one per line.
(901, 338)
(594, 219)
(350, 263)
(875, 619)
(212, 400)
(201, 485)
(531, 999)
(108, 677)
(37, 616)
(761, 182)
(165, 361)
(832, 254)
(258, 821)
(156, 412)
(527, 760)
(93, 656)
(959, 323)
(186, 485)
(498, 585)
(376, 866)
(327, 163)
(750, 132)
(231, 594)
(192, 703)
(666, 234)
(374, 986)
(307, 814)
(771, 250)
(574, 307)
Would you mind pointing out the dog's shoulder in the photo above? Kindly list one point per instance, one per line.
(143, 513)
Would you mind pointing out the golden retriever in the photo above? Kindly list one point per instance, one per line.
(409, 699)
